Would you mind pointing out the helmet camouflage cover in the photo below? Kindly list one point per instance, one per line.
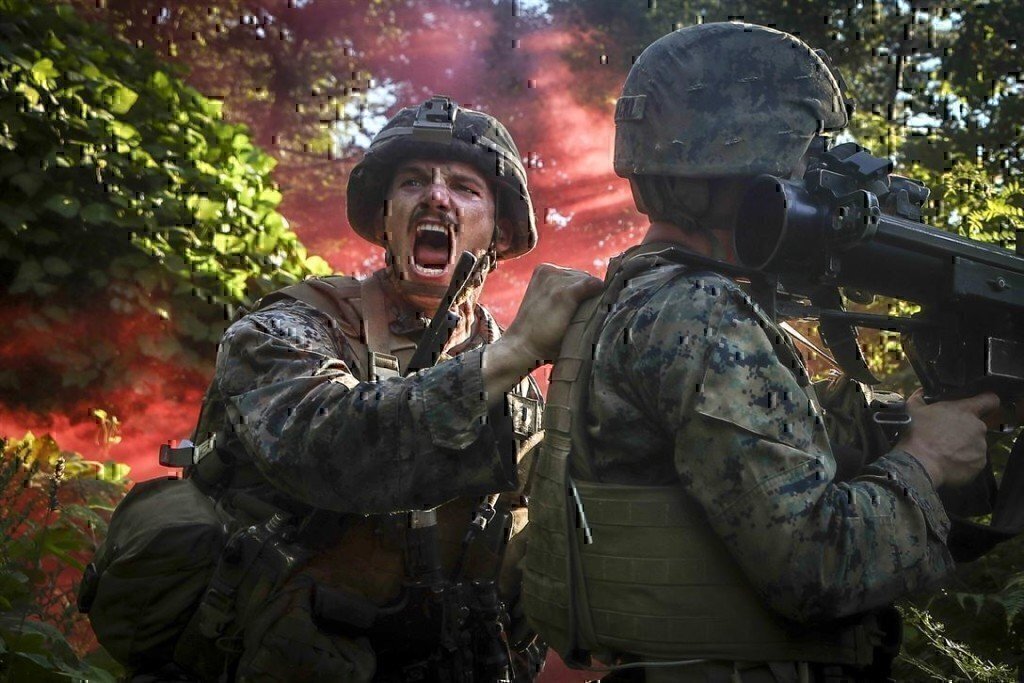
(440, 129)
(724, 99)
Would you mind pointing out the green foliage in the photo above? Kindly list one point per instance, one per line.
(295, 75)
(941, 658)
(54, 508)
(980, 611)
(122, 191)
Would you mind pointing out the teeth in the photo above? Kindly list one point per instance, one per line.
(431, 227)
(435, 227)
(426, 270)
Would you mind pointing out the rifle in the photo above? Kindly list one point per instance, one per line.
(437, 334)
(438, 628)
(849, 224)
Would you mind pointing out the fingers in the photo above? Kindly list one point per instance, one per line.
(980, 404)
(586, 287)
(577, 284)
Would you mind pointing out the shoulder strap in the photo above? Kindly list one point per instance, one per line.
(576, 359)
(329, 295)
(376, 334)
(564, 417)
(345, 300)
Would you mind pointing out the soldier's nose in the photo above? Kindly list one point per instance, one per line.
(440, 197)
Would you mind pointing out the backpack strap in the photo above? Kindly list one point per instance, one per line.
(345, 301)
(332, 296)
(376, 333)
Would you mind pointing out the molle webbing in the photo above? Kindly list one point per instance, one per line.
(656, 581)
(564, 623)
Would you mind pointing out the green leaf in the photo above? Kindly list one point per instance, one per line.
(14, 586)
(270, 196)
(28, 182)
(228, 244)
(61, 541)
(161, 83)
(90, 71)
(207, 209)
(98, 212)
(10, 165)
(318, 266)
(114, 472)
(275, 221)
(120, 99)
(29, 273)
(56, 266)
(64, 206)
(103, 667)
(124, 131)
(43, 70)
(42, 236)
(15, 217)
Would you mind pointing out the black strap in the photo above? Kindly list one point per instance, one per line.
(969, 540)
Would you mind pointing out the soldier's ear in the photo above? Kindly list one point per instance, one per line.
(503, 239)
(378, 224)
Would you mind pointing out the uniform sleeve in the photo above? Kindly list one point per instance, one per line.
(333, 442)
(750, 446)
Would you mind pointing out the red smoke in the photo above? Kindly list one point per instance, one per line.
(584, 211)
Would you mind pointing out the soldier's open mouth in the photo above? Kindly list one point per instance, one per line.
(432, 249)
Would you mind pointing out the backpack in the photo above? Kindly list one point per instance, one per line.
(151, 571)
(167, 538)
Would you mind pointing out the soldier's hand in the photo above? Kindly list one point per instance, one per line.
(948, 437)
(535, 336)
(553, 295)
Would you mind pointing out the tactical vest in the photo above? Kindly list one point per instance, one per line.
(637, 570)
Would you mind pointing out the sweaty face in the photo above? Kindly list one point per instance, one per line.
(435, 211)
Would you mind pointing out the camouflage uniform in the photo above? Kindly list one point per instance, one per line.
(686, 509)
(304, 433)
(321, 437)
(685, 366)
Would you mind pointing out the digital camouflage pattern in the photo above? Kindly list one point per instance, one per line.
(687, 365)
(300, 416)
(304, 432)
(724, 99)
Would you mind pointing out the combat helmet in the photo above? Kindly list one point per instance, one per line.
(441, 129)
(725, 99)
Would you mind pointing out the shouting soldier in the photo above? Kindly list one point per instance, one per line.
(356, 452)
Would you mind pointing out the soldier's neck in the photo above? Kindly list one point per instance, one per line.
(700, 242)
(409, 314)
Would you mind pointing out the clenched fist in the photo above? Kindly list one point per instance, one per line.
(534, 337)
(948, 437)
(552, 297)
